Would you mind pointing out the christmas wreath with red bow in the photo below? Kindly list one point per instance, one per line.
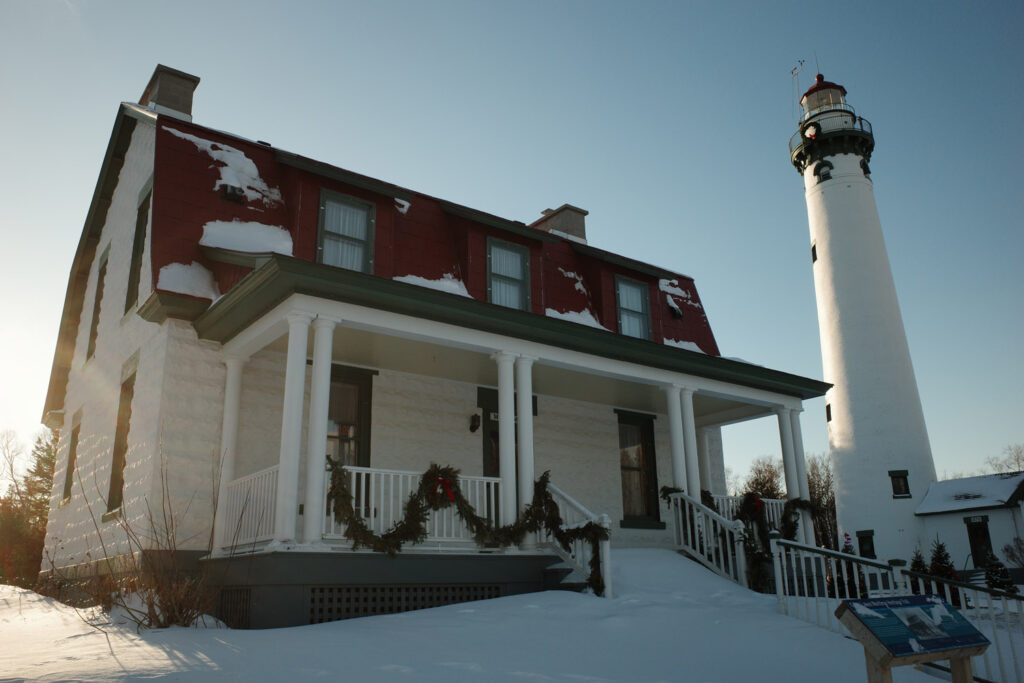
(439, 489)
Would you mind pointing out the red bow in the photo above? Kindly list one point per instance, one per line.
(445, 485)
(759, 503)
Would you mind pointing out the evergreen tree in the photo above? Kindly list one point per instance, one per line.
(941, 563)
(997, 577)
(917, 564)
(39, 480)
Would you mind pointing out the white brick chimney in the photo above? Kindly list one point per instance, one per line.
(170, 92)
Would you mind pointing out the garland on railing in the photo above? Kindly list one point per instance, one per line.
(790, 522)
(439, 489)
(706, 497)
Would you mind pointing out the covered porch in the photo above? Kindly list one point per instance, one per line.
(454, 394)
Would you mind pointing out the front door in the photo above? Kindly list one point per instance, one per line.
(348, 422)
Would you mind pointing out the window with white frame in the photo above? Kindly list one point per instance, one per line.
(634, 311)
(346, 232)
(508, 275)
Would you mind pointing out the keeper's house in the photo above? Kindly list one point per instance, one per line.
(236, 312)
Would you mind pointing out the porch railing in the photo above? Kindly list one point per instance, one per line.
(729, 505)
(580, 552)
(379, 497)
(708, 537)
(811, 582)
(250, 507)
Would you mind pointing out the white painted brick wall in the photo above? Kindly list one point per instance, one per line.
(94, 386)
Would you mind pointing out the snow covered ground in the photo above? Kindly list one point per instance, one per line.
(672, 621)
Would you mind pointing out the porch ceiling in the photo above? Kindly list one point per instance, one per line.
(398, 354)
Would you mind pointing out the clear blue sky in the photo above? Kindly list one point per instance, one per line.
(668, 121)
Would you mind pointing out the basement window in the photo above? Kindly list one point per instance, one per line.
(900, 485)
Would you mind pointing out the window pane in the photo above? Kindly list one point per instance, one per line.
(631, 297)
(633, 325)
(346, 219)
(506, 262)
(507, 293)
(344, 253)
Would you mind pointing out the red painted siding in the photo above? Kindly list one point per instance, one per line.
(425, 241)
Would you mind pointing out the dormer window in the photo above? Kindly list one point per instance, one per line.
(634, 310)
(346, 232)
(508, 274)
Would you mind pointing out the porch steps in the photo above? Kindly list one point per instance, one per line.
(557, 578)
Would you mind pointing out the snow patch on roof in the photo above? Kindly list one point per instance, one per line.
(188, 278)
(402, 206)
(579, 281)
(970, 493)
(448, 283)
(579, 317)
(673, 291)
(236, 169)
(247, 236)
(680, 344)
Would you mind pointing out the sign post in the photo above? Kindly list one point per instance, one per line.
(911, 629)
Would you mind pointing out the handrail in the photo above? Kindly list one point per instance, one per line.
(810, 583)
(832, 123)
(579, 553)
(708, 537)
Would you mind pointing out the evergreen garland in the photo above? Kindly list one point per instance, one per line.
(439, 489)
(790, 522)
(997, 577)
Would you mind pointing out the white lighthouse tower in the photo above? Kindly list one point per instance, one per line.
(880, 452)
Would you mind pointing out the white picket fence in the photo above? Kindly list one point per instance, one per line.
(708, 537)
(811, 582)
(250, 508)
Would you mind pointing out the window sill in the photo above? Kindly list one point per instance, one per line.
(901, 495)
(113, 514)
(640, 523)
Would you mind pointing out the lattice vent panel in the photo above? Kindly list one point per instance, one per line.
(330, 603)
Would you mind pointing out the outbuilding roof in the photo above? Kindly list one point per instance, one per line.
(972, 493)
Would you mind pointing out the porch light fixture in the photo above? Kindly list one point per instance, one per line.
(474, 422)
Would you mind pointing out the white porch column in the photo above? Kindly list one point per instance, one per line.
(291, 428)
(789, 460)
(524, 432)
(806, 522)
(316, 436)
(690, 444)
(675, 436)
(228, 447)
(506, 434)
(703, 459)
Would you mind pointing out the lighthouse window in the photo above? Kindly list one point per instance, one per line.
(866, 543)
(900, 485)
(814, 253)
(823, 171)
(828, 413)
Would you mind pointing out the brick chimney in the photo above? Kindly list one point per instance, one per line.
(566, 221)
(170, 92)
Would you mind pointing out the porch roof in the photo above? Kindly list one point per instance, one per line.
(282, 276)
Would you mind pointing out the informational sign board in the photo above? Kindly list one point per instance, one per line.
(915, 624)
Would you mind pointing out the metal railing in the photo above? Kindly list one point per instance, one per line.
(379, 497)
(708, 537)
(831, 122)
(773, 507)
(578, 557)
(250, 508)
(811, 582)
